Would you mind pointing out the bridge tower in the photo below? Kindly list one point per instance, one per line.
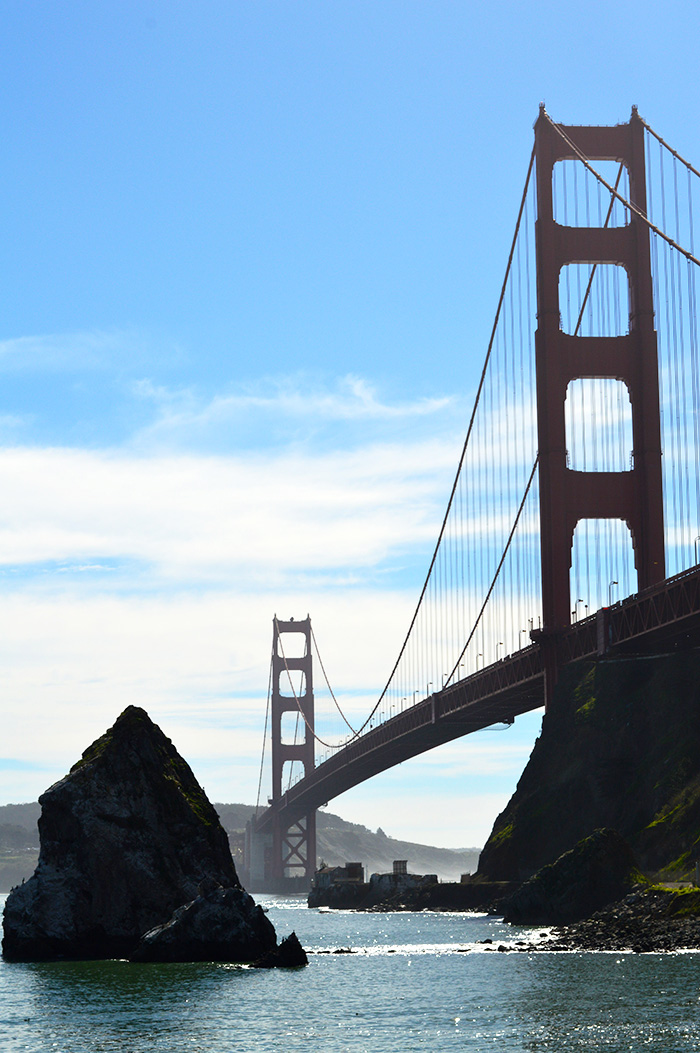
(286, 859)
(293, 849)
(567, 496)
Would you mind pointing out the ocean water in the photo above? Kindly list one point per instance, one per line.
(413, 982)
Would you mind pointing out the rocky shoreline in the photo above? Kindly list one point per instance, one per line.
(647, 920)
(650, 920)
(593, 898)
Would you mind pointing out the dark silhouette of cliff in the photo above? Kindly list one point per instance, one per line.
(619, 748)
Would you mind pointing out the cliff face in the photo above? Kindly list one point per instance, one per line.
(619, 748)
(599, 870)
(126, 838)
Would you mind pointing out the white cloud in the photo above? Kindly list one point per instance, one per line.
(192, 517)
(145, 576)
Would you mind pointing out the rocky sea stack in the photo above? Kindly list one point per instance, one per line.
(128, 838)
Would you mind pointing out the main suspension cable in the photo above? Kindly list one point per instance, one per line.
(498, 569)
(595, 265)
(328, 685)
(663, 142)
(262, 758)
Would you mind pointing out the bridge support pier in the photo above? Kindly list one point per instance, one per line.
(258, 855)
(549, 649)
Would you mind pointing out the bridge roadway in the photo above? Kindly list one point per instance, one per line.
(658, 619)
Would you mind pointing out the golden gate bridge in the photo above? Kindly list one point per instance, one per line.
(572, 529)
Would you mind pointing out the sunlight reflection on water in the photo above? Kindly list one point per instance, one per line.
(417, 981)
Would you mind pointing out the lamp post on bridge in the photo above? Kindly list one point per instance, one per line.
(610, 592)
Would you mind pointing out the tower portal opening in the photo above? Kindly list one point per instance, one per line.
(581, 200)
(602, 565)
(598, 425)
(594, 299)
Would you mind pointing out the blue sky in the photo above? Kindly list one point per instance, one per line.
(251, 253)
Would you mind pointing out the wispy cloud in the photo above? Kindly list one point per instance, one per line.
(197, 662)
(69, 352)
(281, 409)
(352, 398)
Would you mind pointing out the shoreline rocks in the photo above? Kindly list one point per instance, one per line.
(649, 920)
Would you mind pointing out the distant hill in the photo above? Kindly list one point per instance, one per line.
(24, 815)
(19, 843)
(338, 842)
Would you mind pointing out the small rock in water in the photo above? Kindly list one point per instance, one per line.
(289, 955)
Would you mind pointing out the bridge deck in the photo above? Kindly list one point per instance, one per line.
(660, 618)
